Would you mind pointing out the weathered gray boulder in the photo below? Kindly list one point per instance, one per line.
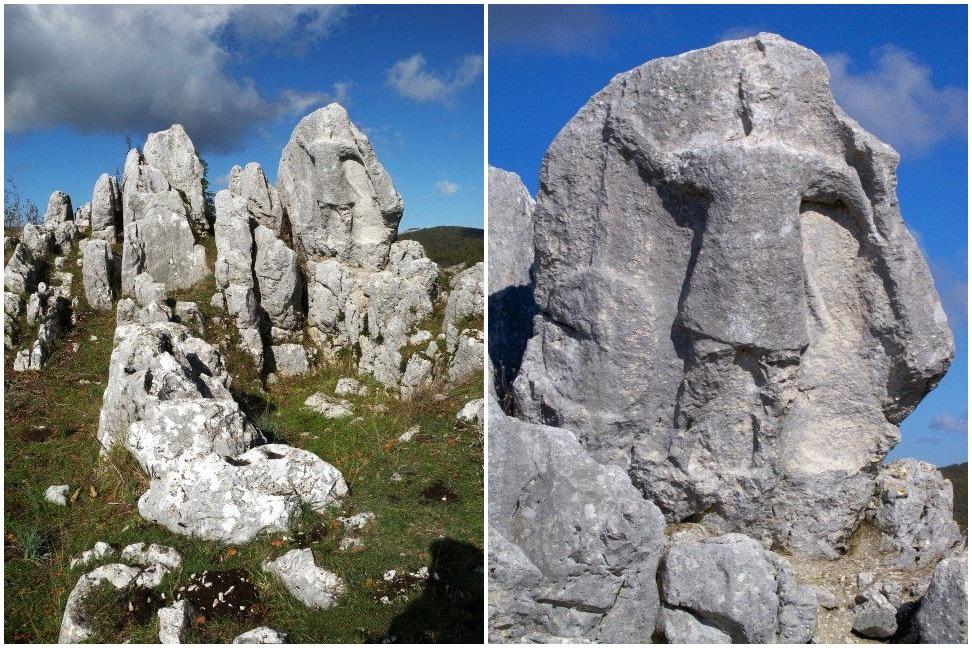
(465, 302)
(139, 177)
(233, 499)
(12, 308)
(174, 155)
(174, 620)
(261, 635)
(106, 208)
(38, 239)
(943, 615)
(82, 217)
(20, 275)
(338, 199)
(730, 586)
(573, 546)
(314, 587)
(59, 209)
(876, 610)
(331, 408)
(468, 358)
(290, 359)
(97, 273)
(912, 507)
(731, 307)
(279, 279)
(250, 183)
(158, 240)
(511, 303)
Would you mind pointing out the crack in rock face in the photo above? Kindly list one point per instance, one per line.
(731, 307)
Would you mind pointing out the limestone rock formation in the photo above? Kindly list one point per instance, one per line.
(573, 546)
(162, 205)
(261, 197)
(314, 587)
(168, 402)
(912, 507)
(174, 155)
(732, 589)
(106, 209)
(58, 210)
(943, 616)
(20, 274)
(511, 303)
(731, 308)
(339, 200)
(98, 274)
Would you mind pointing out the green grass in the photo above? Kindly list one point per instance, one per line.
(958, 474)
(449, 245)
(409, 532)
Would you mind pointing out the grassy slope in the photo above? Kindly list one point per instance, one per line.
(958, 474)
(410, 531)
(448, 245)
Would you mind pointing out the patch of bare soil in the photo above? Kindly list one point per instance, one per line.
(219, 593)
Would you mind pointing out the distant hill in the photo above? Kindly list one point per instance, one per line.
(958, 474)
(448, 245)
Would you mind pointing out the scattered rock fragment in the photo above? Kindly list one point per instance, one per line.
(57, 494)
(99, 551)
(328, 407)
(261, 635)
(308, 583)
(174, 621)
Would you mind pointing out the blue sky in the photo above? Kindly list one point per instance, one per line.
(900, 71)
(78, 79)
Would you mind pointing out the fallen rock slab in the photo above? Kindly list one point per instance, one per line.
(314, 587)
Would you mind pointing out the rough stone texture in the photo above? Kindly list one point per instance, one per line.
(12, 308)
(97, 273)
(350, 387)
(250, 183)
(174, 621)
(261, 635)
(38, 239)
(314, 587)
(731, 307)
(280, 282)
(147, 291)
(465, 301)
(876, 610)
(417, 374)
(468, 358)
(943, 614)
(472, 412)
(139, 177)
(82, 217)
(59, 209)
(174, 155)
(106, 208)
(168, 402)
(912, 507)
(75, 626)
(573, 546)
(328, 407)
(57, 494)
(159, 241)
(731, 584)
(20, 275)
(290, 359)
(511, 303)
(99, 551)
(338, 199)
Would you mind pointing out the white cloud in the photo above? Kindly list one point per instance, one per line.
(898, 101)
(949, 423)
(133, 69)
(741, 31)
(446, 187)
(295, 102)
(410, 78)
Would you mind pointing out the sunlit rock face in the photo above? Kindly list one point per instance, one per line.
(731, 307)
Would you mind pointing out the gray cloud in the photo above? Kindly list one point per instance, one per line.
(898, 101)
(134, 69)
(411, 78)
(949, 423)
(563, 29)
(284, 28)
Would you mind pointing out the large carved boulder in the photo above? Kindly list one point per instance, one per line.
(338, 199)
(731, 307)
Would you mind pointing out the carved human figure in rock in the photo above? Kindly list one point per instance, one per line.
(731, 307)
